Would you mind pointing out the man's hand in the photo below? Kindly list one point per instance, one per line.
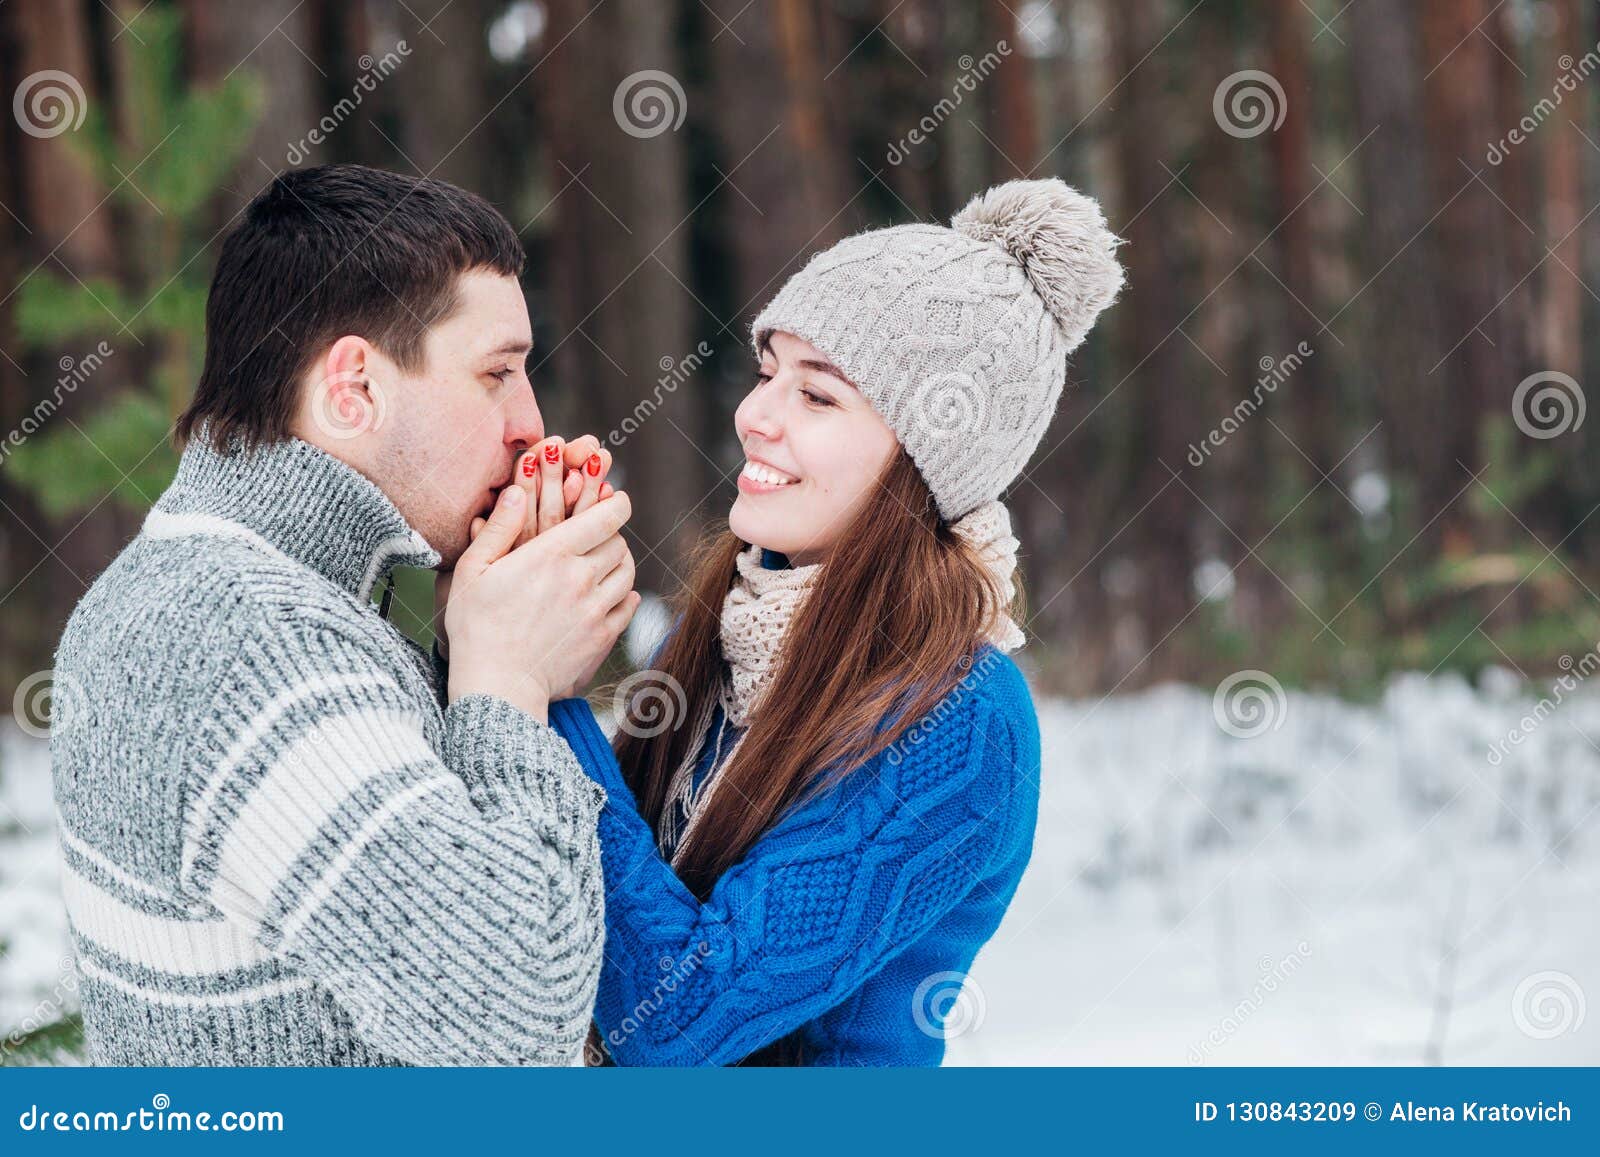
(526, 623)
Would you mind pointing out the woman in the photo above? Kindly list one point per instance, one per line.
(822, 796)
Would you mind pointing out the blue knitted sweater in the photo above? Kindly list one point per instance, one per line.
(852, 920)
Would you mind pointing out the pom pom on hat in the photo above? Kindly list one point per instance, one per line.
(1060, 238)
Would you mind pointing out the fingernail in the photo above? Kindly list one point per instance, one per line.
(552, 452)
(529, 465)
(593, 465)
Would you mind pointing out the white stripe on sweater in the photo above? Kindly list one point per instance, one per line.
(163, 524)
(183, 947)
(258, 726)
(132, 883)
(317, 894)
(272, 988)
(301, 791)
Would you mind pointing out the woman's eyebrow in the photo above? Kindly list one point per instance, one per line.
(822, 367)
(825, 368)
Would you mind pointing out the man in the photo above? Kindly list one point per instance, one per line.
(289, 835)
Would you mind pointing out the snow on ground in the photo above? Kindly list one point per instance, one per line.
(1353, 884)
(37, 984)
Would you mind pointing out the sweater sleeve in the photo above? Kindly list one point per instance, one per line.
(449, 897)
(821, 903)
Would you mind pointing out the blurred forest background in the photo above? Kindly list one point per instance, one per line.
(1324, 208)
(1333, 437)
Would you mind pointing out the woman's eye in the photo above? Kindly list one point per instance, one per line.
(816, 399)
(501, 375)
(762, 377)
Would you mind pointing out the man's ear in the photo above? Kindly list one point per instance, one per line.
(343, 400)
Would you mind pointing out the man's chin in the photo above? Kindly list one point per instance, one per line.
(451, 544)
(449, 558)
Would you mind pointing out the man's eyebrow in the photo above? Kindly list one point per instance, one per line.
(511, 347)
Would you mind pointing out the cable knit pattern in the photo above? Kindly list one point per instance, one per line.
(834, 920)
(761, 603)
(756, 612)
(280, 846)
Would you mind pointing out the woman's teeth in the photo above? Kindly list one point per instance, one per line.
(758, 473)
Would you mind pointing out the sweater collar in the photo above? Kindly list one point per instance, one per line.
(297, 500)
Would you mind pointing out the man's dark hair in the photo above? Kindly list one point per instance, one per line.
(324, 252)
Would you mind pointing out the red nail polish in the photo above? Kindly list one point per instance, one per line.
(552, 453)
(529, 465)
(593, 465)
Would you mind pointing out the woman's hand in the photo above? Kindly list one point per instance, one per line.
(561, 478)
(575, 474)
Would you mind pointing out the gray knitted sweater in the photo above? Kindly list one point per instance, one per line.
(279, 845)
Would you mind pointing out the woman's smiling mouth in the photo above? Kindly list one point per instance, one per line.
(759, 478)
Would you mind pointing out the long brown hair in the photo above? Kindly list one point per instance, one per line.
(885, 634)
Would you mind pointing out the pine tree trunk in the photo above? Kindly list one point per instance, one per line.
(1395, 302)
(619, 273)
(1472, 361)
(1162, 513)
(49, 563)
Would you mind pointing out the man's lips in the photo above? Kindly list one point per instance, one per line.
(494, 496)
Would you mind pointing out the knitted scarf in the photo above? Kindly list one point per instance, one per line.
(756, 614)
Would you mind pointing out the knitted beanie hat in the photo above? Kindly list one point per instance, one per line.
(959, 337)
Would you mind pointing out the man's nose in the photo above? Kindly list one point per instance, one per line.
(524, 423)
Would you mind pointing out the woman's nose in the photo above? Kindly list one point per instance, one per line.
(759, 414)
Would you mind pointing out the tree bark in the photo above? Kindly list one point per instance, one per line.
(1161, 537)
(1459, 115)
(1396, 298)
(619, 252)
(69, 232)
